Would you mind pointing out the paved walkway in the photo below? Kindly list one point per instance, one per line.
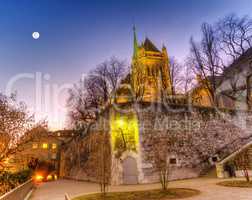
(209, 189)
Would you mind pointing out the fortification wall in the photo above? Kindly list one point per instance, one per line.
(201, 134)
(81, 156)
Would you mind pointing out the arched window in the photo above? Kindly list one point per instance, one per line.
(156, 71)
(148, 71)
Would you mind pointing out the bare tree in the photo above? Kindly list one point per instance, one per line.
(115, 73)
(242, 161)
(222, 43)
(91, 95)
(103, 163)
(187, 77)
(106, 78)
(176, 75)
(81, 106)
(234, 35)
(14, 122)
(207, 62)
(162, 145)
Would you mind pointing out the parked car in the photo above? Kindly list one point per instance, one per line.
(42, 176)
(44, 172)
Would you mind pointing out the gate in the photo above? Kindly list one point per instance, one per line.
(130, 172)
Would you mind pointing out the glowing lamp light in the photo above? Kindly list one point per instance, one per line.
(120, 122)
(39, 177)
(6, 161)
(49, 178)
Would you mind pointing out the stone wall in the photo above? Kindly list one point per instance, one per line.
(202, 133)
(82, 156)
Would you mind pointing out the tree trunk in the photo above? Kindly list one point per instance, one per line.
(246, 174)
(164, 180)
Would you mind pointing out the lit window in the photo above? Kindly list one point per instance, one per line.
(54, 146)
(45, 146)
(6, 161)
(35, 145)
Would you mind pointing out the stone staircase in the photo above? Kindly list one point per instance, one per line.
(210, 174)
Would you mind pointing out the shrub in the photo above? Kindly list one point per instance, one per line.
(9, 181)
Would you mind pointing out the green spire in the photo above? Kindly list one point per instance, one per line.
(135, 42)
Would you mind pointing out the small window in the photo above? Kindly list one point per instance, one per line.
(214, 159)
(54, 146)
(35, 145)
(173, 161)
(45, 146)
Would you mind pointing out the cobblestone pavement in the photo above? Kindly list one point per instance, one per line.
(209, 189)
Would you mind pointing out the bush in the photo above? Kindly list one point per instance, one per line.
(9, 181)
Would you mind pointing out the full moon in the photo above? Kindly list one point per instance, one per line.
(35, 35)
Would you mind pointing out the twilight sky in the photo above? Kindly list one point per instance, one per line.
(76, 35)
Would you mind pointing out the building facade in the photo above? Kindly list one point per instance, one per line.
(233, 86)
(43, 147)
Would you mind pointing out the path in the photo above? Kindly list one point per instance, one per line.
(209, 189)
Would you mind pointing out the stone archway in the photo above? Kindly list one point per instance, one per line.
(130, 172)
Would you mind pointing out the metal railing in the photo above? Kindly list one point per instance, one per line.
(18, 193)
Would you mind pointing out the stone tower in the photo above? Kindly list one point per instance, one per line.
(150, 71)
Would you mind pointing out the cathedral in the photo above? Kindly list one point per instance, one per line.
(133, 131)
(130, 130)
(150, 72)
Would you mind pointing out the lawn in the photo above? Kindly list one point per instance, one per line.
(172, 193)
(236, 184)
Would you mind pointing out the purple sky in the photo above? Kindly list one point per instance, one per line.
(76, 35)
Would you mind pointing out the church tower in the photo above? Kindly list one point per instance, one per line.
(150, 71)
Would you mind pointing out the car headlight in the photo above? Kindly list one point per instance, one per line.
(49, 177)
(39, 177)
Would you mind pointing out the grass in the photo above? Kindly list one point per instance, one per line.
(237, 183)
(172, 193)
